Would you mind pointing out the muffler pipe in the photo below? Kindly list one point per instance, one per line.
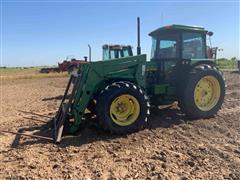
(138, 37)
(90, 53)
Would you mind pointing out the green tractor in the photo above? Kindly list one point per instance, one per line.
(114, 51)
(120, 92)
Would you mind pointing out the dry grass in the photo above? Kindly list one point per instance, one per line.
(30, 73)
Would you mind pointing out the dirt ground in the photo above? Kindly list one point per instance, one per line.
(171, 148)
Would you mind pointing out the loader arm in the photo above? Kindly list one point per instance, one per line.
(95, 75)
(91, 79)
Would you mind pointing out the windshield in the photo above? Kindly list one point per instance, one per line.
(193, 46)
(110, 54)
(114, 53)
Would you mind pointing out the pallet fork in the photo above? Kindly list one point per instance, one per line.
(64, 108)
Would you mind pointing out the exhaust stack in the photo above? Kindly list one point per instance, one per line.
(138, 37)
(90, 53)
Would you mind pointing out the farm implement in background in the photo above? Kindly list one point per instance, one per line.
(66, 65)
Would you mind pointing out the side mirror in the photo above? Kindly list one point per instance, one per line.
(210, 33)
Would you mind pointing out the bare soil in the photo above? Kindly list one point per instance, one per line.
(172, 147)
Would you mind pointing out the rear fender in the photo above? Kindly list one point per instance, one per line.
(202, 62)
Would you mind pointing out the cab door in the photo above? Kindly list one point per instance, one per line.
(167, 56)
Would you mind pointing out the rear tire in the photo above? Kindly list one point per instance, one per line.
(202, 95)
(122, 108)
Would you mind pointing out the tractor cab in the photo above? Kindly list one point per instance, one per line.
(116, 51)
(175, 48)
(176, 42)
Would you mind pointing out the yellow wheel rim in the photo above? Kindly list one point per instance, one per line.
(124, 110)
(207, 93)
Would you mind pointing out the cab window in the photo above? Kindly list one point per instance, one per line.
(105, 54)
(154, 48)
(193, 46)
(167, 49)
(125, 53)
(114, 53)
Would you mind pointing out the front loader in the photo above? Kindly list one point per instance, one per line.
(92, 83)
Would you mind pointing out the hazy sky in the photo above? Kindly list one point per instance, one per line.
(44, 33)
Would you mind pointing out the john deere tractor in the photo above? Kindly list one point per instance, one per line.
(120, 92)
(114, 51)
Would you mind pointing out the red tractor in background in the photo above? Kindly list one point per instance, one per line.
(212, 52)
(67, 65)
(71, 65)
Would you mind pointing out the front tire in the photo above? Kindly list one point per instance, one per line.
(203, 93)
(122, 108)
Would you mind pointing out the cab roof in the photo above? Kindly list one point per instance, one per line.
(177, 27)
